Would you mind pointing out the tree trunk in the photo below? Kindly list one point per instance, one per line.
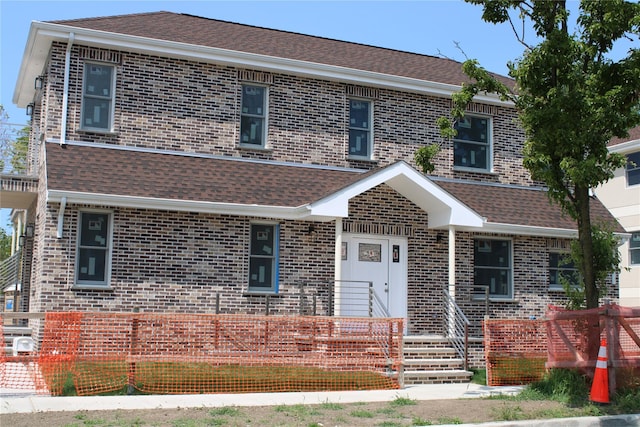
(592, 332)
(586, 245)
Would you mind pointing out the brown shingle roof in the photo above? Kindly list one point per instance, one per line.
(91, 169)
(520, 206)
(170, 176)
(634, 134)
(200, 31)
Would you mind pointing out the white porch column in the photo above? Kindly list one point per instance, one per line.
(452, 281)
(338, 268)
(452, 262)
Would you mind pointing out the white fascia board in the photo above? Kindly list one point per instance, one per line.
(626, 147)
(526, 230)
(44, 33)
(278, 212)
(443, 209)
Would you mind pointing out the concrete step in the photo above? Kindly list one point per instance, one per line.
(433, 364)
(430, 353)
(436, 376)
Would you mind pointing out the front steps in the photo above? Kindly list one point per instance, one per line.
(432, 360)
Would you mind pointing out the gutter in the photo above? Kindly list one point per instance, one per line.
(48, 32)
(65, 95)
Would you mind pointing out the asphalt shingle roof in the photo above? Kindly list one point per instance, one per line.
(173, 176)
(519, 205)
(91, 169)
(201, 31)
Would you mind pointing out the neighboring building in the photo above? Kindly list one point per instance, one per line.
(185, 163)
(621, 195)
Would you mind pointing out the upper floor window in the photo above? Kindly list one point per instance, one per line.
(634, 248)
(492, 261)
(253, 117)
(94, 249)
(360, 135)
(263, 258)
(98, 97)
(633, 168)
(562, 270)
(472, 144)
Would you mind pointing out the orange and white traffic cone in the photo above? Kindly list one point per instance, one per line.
(600, 387)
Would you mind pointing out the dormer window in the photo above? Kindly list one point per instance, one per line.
(98, 97)
(472, 144)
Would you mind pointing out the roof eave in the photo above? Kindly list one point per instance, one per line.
(110, 200)
(528, 230)
(42, 34)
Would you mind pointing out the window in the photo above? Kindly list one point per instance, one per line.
(94, 247)
(562, 270)
(634, 248)
(263, 258)
(360, 128)
(471, 146)
(97, 97)
(492, 266)
(633, 168)
(254, 116)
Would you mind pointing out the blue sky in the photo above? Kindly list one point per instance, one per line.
(431, 27)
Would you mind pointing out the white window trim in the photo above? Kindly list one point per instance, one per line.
(489, 169)
(626, 170)
(370, 144)
(112, 110)
(555, 287)
(109, 254)
(274, 290)
(265, 117)
(633, 249)
(493, 297)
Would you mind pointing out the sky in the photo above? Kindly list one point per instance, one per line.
(449, 28)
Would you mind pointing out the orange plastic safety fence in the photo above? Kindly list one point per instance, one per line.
(177, 353)
(515, 351)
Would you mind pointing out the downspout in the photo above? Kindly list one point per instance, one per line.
(65, 96)
(63, 205)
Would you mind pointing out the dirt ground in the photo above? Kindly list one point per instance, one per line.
(400, 413)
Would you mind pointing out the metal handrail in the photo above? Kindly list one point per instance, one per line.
(457, 329)
(378, 308)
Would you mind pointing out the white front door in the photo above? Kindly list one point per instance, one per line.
(381, 260)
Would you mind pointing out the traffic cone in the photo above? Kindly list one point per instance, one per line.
(600, 386)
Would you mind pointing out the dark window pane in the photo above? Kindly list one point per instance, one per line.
(253, 100)
(262, 240)
(251, 130)
(96, 113)
(94, 231)
(358, 143)
(470, 155)
(472, 129)
(497, 280)
(98, 80)
(359, 114)
(261, 273)
(91, 265)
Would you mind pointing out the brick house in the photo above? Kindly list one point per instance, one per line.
(187, 164)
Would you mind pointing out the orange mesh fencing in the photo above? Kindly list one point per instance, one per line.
(520, 351)
(515, 351)
(575, 336)
(96, 353)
